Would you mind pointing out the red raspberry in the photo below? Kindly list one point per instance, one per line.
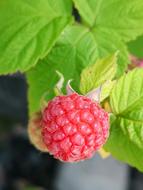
(74, 127)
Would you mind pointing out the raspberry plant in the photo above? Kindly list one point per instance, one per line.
(40, 37)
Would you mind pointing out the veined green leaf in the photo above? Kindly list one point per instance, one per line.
(96, 74)
(113, 23)
(126, 134)
(109, 43)
(69, 57)
(127, 94)
(125, 142)
(28, 30)
(122, 17)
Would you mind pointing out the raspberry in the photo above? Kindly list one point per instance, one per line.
(74, 127)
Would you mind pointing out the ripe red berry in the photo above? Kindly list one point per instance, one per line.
(74, 127)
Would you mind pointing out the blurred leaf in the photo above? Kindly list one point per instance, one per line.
(32, 188)
(136, 47)
(28, 30)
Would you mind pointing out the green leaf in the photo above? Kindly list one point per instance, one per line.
(112, 23)
(122, 17)
(31, 188)
(125, 142)
(106, 89)
(126, 134)
(127, 94)
(74, 50)
(87, 10)
(28, 30)
(108, 43)
(96, 74)
(136, 47)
